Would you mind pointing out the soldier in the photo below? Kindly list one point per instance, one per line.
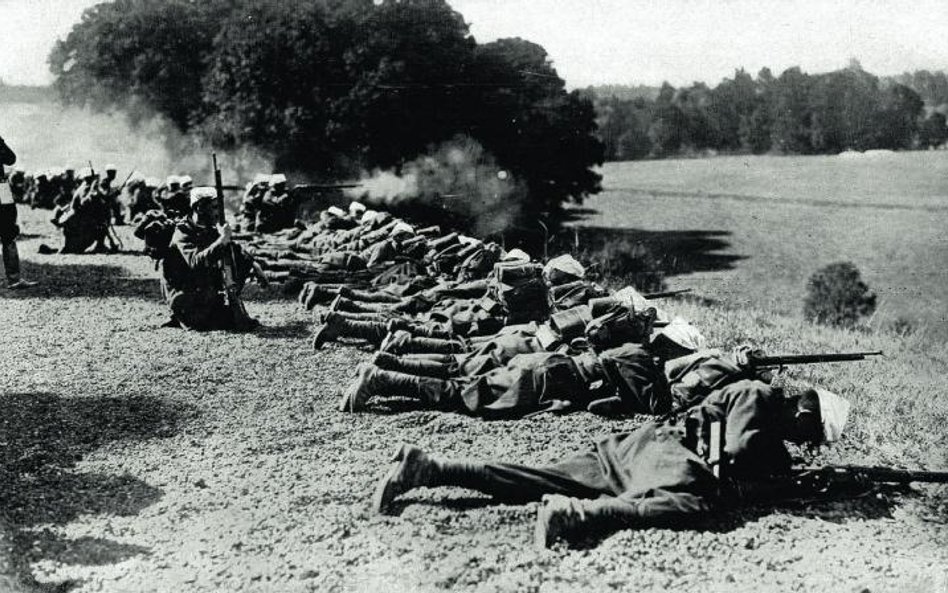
(614, 365)
(18, 184)
(191, 269)
(250, 203)
(112, 194)
(173, 200)
(660, 475)
(8, 226)
(140, 195)
(277, 210)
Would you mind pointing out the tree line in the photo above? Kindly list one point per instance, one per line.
(335, 87)
(794, 113)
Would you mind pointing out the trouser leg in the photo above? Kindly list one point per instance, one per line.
(11, 261)
(368, 296)
(578, 477)
(412, 366)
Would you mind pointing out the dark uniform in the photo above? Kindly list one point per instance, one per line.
(657, 475)
(9, 230)
(191, 278)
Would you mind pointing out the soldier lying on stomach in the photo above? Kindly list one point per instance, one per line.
(658, 475)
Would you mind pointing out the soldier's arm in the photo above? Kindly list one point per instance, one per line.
(209, 257)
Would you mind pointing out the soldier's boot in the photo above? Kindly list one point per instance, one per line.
(412, 366)
(313, 294)
(374, 381)
(367, 296)
(342, 304)
(336, 326)
(412, 469)
(562, 518)
(402, 342)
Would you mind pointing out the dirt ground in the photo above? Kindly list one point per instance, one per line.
(148, 459)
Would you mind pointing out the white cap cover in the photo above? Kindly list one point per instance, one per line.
(356, 208)
(684, 334)
(565, 264)
(277, 178)
(202, 193)
(517, 255)
(834, 410)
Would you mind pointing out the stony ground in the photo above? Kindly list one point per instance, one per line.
(148, 459)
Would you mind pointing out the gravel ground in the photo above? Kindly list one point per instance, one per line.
(148, 459)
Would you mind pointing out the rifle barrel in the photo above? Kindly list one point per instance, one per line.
(886, 474)
(327, 186)
(765, 361)
(665, 294)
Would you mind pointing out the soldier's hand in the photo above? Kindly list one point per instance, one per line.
(225, 233)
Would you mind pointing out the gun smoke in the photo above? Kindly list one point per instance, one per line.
(47, 135)
(459, 177)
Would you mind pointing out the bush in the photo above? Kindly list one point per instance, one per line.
(622, 262)
(838, 296)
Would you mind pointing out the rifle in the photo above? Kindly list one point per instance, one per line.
(666, 294)
(758, 360)
(242, 320)
(827, 481)
(319, 186)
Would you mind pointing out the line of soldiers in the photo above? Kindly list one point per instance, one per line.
(465, 326)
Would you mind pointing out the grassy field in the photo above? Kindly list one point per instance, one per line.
(749, 231)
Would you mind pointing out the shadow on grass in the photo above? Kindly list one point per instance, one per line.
(45, 435)
(60, 281)
(677, 252)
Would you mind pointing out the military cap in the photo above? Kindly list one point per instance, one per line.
(199, 194)
(111, 167)
(277, 179)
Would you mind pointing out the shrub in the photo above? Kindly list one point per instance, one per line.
(622, 262)
(838, 296)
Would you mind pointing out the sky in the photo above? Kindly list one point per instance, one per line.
(624, 41)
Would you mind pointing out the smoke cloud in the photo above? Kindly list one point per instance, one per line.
(458, 176)
(46, 135)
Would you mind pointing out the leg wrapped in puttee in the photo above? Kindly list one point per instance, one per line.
(373, 381)
(336, 326)
(578, 477)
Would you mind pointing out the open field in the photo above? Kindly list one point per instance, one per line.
(749, 231)
(146, 459)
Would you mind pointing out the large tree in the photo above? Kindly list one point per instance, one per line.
(331, 87)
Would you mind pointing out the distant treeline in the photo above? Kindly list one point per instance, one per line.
(795, 113)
